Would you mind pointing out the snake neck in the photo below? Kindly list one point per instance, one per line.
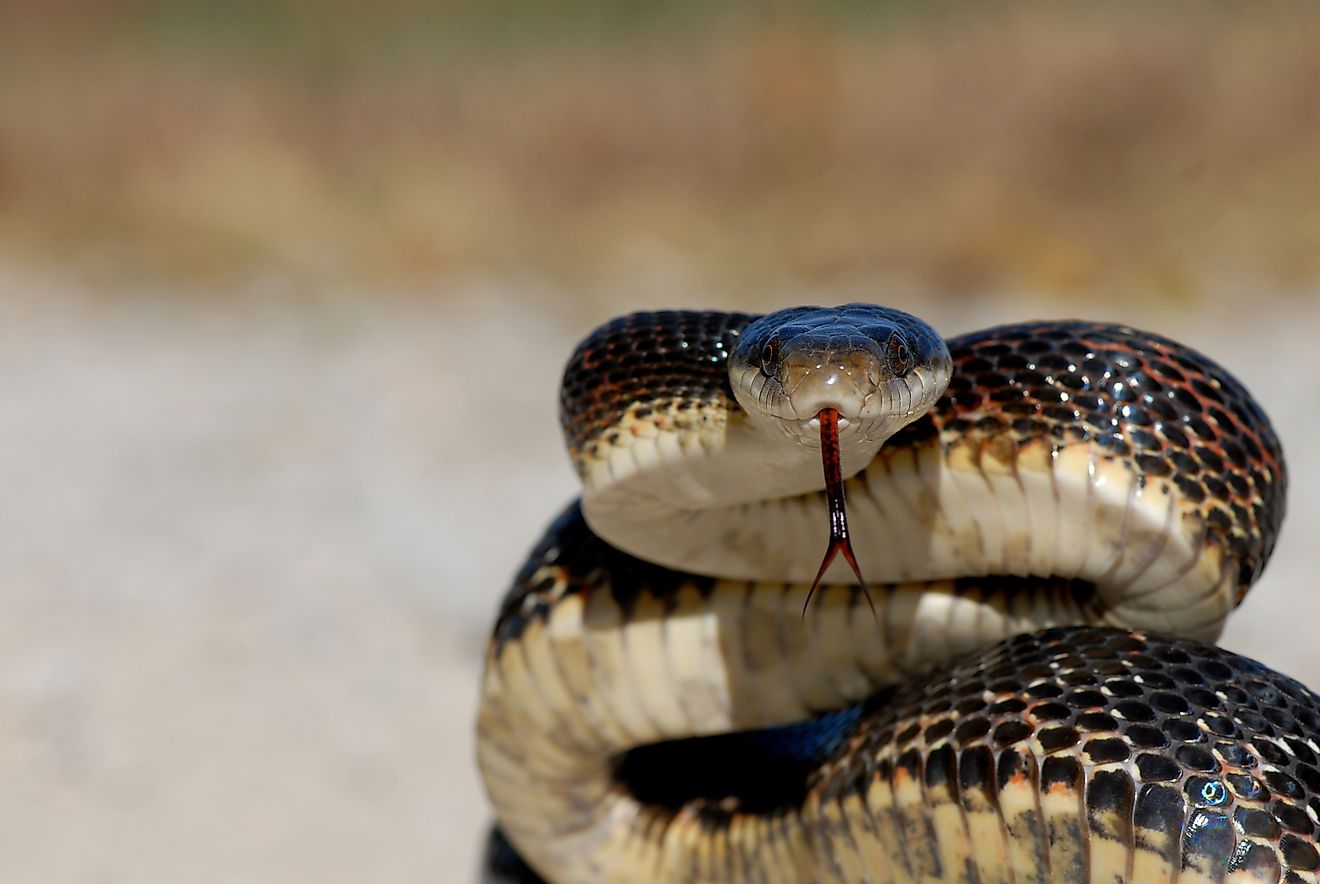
(971, 505)
(684, 496)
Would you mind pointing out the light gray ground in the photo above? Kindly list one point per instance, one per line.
(250, 547)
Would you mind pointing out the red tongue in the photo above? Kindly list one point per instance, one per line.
(839, 542)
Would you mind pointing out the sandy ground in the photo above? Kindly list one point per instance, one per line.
(249, 551)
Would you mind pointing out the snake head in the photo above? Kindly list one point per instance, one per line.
(877, 367)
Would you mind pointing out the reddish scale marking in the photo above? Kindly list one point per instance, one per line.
(672, 357)
(1199, 430)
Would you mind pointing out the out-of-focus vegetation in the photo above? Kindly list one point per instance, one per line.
(1156, 147)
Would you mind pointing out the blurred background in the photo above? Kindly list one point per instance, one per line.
(285, 289)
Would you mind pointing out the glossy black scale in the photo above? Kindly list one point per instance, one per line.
(1215, 791)
(677, 356)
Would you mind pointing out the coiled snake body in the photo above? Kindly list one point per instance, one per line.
(1022, 691)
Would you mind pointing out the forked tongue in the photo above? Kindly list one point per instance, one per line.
(839, 540)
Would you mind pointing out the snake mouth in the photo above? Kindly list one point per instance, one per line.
(841, 422)
(853, 427)
(851, 422)
(807, 431)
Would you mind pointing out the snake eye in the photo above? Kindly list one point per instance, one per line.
(769, 356)
(900, 357)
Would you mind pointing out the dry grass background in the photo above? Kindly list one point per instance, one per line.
(284, 289)
(1059, 146)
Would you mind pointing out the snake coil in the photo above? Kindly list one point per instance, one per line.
(1052, 539)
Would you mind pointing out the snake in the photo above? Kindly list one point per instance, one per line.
(1011, 678)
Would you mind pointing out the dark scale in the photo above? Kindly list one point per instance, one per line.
(1197, 773)
(1207, 842)
(582, 563)
(1181, 415)
(1134, 710)
(605, 377)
